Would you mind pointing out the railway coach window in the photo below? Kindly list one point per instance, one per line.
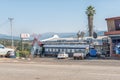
(68, 50)
(54, 50)
(61, 50)
(73, 50)
(76, 50)
(46, 49)
(65, 50)
(50, 49)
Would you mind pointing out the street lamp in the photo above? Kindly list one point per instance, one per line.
(12, 43)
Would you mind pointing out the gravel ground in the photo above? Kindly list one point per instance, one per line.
(71, 61)
(63, 69)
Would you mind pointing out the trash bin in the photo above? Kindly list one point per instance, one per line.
(17, 54)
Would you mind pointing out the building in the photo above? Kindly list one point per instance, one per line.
(113, 26)
(55, 44)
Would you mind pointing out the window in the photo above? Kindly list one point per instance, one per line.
(50, 49)
(68, 50)
(46, 49)
(56, 50)
(72, 50)
(77, 50)
(53, 50)
(1, 46)
(60, 50)
(64, 50)
(117, 24)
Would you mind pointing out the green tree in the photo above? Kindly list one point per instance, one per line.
(90, 11)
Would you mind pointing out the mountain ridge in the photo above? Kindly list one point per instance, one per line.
(50, 34)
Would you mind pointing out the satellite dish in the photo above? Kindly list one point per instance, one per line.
(94, 35)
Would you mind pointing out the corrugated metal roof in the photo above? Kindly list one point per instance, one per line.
(68, 39)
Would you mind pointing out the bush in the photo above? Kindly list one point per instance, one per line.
(24, 53)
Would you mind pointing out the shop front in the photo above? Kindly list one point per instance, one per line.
(115, 44)
(113, 25)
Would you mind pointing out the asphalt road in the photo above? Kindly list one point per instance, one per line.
(53, 69)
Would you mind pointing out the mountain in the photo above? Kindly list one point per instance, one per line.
(4, 36)
(100, 33)
(50, 34)
(66, 35)
(62, 35)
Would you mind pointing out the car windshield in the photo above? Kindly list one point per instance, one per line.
(62, 53)
(1, 46)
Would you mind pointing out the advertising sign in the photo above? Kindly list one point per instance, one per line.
(24, 35)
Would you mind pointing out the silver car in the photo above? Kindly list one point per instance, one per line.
(62, 55)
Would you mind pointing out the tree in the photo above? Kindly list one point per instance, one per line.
(90, 11)
(80, 34)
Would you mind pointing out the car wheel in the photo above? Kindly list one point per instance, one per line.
(8, 54)
(74, 58)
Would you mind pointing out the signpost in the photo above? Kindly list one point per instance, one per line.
(24, 36)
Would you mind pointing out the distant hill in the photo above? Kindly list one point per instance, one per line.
(4, 36)
(62, 35)
(66, 35)
(100, 33)
(50, 34)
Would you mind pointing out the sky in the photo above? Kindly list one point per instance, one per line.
(59, 16)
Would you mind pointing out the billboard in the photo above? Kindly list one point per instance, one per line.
(24, 35)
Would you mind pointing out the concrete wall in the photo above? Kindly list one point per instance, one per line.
(111, 25)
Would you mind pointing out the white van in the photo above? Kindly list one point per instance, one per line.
(5, 51)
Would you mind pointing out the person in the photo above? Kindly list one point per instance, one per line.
(87, 52)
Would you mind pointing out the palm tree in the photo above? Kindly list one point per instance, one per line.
(90, 11)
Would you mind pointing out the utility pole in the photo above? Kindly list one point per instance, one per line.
(12, 43)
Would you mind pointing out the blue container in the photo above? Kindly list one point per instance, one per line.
(117, 49)
(93, 52)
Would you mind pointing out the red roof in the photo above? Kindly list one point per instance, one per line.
(112, 33)
(113, 18)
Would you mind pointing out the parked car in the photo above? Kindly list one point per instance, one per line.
(79, 56)
(62, 55)
(6, 52)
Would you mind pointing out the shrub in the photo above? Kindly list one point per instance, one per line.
(24, 53)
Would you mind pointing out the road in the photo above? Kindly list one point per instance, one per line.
(52, 69)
